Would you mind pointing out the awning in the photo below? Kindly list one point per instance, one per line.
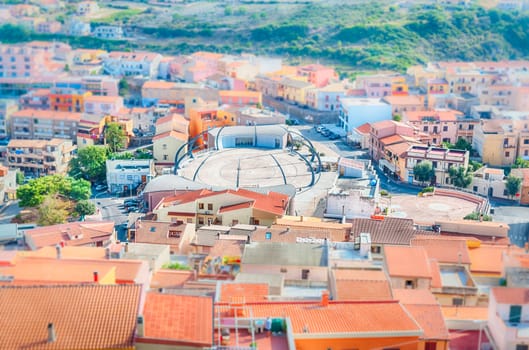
(384, 163)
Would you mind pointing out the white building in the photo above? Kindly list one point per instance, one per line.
(132, 64)
(326, 98)
(265, 136)
(127, 175)
(357, 111)
(256, 116)
(108, 32)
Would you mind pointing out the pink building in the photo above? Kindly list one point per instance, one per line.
(17, 61)
(441, 124)
(317, 74)
(48, 27)
(103, 105)
(383, 130)
(240, 98)
(508, 321)
(199, 72)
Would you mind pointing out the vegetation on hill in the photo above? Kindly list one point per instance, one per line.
(351, 34)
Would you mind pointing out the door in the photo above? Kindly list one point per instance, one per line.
(515, 314)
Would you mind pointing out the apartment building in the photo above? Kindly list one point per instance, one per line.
(401, 104)
(44, 125)
(67, 99)
(7, 108)
(354, 112)
(442, 159)
(40, 157)
(326, 98)
(108, 32)
(385, 133)
(35, 99)
(144, 64)
(19, 61)
(153, 92)
(317, 74)
(440, 124)
(381, 85)
(500, 141)
(126, 176)
(102, 105)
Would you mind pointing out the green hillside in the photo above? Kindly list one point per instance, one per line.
(355, 35)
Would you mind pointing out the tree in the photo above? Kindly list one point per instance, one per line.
(20, 178)
(463, 144)
(460, 176)
(35, 191)
(397, 117)
(52, 211)
(423, 171)
(80, 189)
(114, 137)
(513, 185)
(123, 87)
(84, 207)
(90, 163)
(520, 163)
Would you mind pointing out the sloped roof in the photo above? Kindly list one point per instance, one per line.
(508, 295)
(173, 134)
(243, 291)
(445, 251)
(84, 316)
(166, 278)
(178, 318)
(86, 231)
(170, 183)
(487, 258)
(362, 285)
(395, 231)
(402, 261)
(353, 319)
(415, 296)
(364, 128)
(286, 254)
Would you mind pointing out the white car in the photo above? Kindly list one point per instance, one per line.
(101, 187)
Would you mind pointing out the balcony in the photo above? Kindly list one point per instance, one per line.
(505, 145)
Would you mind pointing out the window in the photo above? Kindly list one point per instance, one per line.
(526, 141)
(409, 284)
(505, 193)
(283, 270)
(507, 154)
(522, 347)
(515, 314)
(445, 128)
(305, 274)
(210, 206)
(475, 188)
(471, 127)
(425, 129)
(526, 153)
(165, 157)
(152, 229)
(189, 220)
(174, 234)
(200, 205)
(457, 301)
(164, 146)
(375, 249)
(234, 222)
(201, 221)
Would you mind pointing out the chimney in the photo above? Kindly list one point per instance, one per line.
(96, 276)
(126, 247)
(301, 218)
(140, 330)
(107, 252)
(51, 333)
(526, 246)
(324, 298)
(59, 251)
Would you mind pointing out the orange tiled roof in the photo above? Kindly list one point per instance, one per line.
(165, 278)
(404, 261)
(487, 258)
(473, 313)
(249, 292)
(345, 318)
(436, 274)
(425, 309)
(178, 319)
(362, 285)
(364, 128)
(445, 251)
(390, 140)
(510, 295)
(84, 316)
(234, 207)
(404, 100)
(225, 247)
(87, 232)
(173, 134)
(67, 252)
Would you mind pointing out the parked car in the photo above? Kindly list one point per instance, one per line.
(132, 209)
(101, 187)
(325, 133)
(334, 136)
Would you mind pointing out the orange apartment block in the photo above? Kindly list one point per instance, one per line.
(68, 100)
(201, 120)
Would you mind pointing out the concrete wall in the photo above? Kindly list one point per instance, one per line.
(316, 274)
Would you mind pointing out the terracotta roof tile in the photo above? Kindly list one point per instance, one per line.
(402, 261)
(165, 278)
(510, 295)
(249, 292)
(473, 313)
(393, 139)
(87, 232)
(431, 320)
(173, 134)
(178, 319)
(234, 207)
(224, 247)
(67, 252)
(341, 317)
(84, 316)
(487, 259)
(445, 251)
(362, 285)
(436, 274)
(395, 231)
(404, 100)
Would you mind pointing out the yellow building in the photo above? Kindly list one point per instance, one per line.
(496, 141)
(293, 90)
(68, 100)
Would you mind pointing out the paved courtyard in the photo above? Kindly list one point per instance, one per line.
(425, 210)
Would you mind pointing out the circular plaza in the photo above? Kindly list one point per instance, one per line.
(248, 167)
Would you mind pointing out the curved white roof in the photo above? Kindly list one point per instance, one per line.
(170, 183)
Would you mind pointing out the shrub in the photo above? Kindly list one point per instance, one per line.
(384, 193)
